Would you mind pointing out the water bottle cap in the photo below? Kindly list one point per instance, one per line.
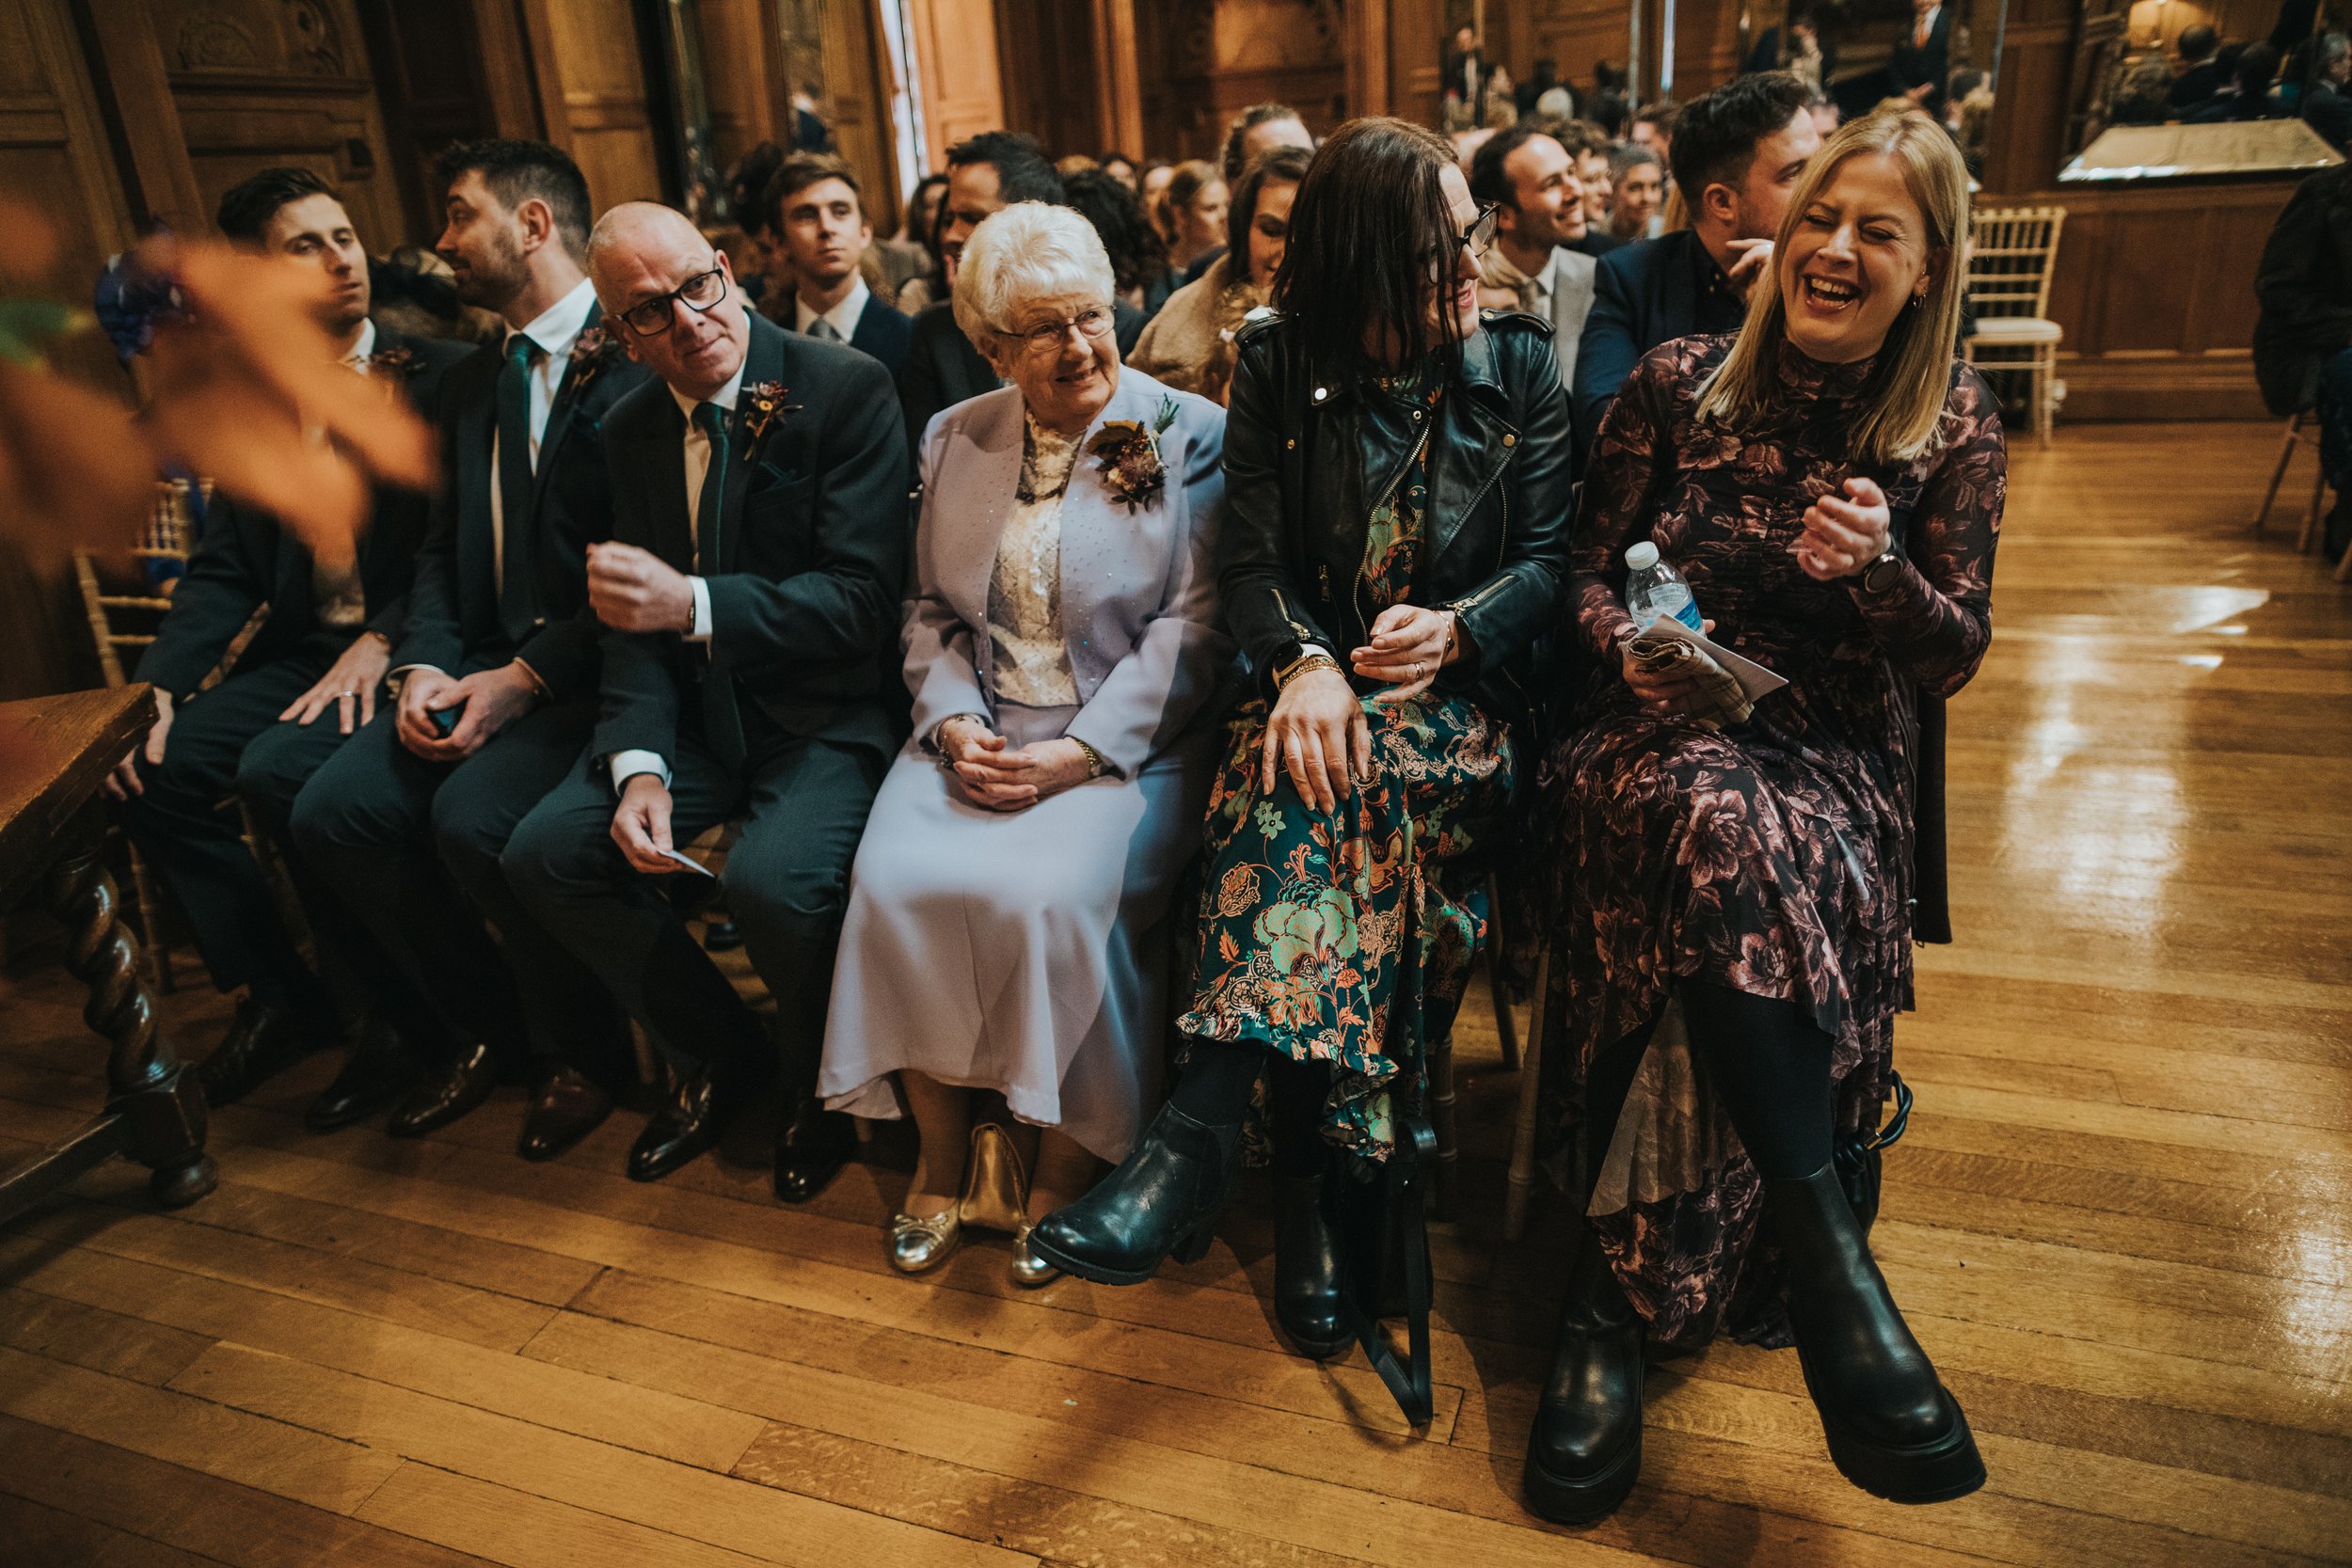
(1640, 556)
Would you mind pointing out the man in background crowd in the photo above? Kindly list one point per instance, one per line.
(815, 212)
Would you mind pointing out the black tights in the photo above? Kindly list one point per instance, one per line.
(1214, 1090)
(1771, 1064)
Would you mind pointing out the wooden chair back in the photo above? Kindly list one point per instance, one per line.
(115, 620)
(2012, 253)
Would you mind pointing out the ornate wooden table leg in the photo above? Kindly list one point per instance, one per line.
(160, 1104)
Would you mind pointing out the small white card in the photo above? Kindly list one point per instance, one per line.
(1753, 678)
(689, 863)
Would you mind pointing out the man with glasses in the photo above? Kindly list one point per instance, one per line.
(750, 601)
(497, 669)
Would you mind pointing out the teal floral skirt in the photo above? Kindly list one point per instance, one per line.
(1335, 936)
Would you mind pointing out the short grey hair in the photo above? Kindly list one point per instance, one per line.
(1028, 251)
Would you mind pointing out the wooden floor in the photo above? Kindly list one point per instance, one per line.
(2121, 1223)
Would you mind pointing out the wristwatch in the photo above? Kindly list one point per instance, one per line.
(1880, 575)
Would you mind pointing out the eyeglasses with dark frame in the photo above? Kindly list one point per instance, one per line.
(1093, 323)
(1478, 239)
(701, 291)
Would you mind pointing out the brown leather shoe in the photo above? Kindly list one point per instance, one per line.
(446, 1094)
(566, 1107)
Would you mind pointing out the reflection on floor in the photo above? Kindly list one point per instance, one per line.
(2122, 1224)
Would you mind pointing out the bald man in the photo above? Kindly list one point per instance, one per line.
(748, 598)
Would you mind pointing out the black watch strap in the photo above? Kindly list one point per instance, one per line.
(1880, 575)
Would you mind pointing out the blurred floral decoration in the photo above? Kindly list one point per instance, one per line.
(245, 389)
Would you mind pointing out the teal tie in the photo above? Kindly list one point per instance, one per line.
(515, 482)
(723, 722)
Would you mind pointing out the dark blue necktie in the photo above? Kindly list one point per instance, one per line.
(514, 483)
(722, 723)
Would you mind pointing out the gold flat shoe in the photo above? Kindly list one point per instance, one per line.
(1028, 1269)
(919, 1244)
(996, 1190)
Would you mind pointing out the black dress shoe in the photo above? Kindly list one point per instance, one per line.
(445, 1096)
(1161, 1201)
(566, 1107)
(1306, 1294)
(1893, 1429)
(689, 1122)
(1585, 1451)
(378, 1071)
(266, 1037)
(811, 1149)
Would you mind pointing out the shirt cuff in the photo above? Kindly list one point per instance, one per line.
(628, 765)
(702, 611)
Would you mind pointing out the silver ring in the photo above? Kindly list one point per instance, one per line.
(349, 694)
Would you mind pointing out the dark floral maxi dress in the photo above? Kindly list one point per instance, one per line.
(1329, 936)
(1772, 857)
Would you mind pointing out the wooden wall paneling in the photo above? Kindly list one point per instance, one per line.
(600, 62)
(746, 104)
(535, 18)
(1117, 79)
(500, 39)
(963, 86)
(1417, 44)
(134, 91)
(1577, 34)
(433, 89)
(1050, 58)
(1368, 65)
(858, 83)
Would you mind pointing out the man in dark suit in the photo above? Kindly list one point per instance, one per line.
(1736, 155)
(814, 208)
(2201, 77)
(498, 669)
(2303, 338)
(1922, 60)
(750, 600)
(987, 172)
(309, 678)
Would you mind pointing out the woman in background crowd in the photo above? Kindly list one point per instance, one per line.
(1064, 656)
(1394, 538)
(1138, 258)
(911, 256)
(1637, 177)
(1190, 342)
(1829, 484)
(1196, 203)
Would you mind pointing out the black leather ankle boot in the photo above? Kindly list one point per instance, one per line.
(1307, 1299)
(1161, 1200)
(1585, 1451)
(1893, 1429)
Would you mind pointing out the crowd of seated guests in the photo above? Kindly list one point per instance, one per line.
(2289, 75)
(1109, 609)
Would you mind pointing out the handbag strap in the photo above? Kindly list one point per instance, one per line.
(1400, 1214)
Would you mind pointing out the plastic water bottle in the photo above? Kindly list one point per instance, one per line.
(1654, 589)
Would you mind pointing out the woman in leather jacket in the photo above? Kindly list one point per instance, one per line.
(1397, 474)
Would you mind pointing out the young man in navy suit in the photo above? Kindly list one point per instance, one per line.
(751, 603)
(816, 211)
(497, 668)
(309, 676)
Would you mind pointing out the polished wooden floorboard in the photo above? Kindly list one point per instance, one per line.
(2121, 1223)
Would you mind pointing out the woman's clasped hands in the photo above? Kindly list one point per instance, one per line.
(1843, 535)
(990, 773)
(1317, 734)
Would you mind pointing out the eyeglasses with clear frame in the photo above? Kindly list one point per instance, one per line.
(1094, 323)
(699, 292)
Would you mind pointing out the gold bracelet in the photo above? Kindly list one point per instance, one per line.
(1300, 665)
(1096, 766)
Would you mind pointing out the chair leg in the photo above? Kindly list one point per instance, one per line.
(1442, 1122)
(2309, 539)
(2279, 469)
(1506, 1022)
(1522, 1175)
(2044, 410)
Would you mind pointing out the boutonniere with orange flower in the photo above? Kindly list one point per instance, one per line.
(1130, 456)
(398, 362)
(766, 403)
(592, 351)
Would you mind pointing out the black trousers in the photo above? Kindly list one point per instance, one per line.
(411, 848)
(230, 740)
(805, 803)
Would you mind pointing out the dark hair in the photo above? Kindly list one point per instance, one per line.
(1244, 122)
(1137, 255)
(1275, 165)
(1606, 111)
(796, 174)
(1715, 138)
(748, 179)
(1105, 160)
(921, 228)
(2197, 41)
(1023, 173)
(2257, 68)
(1608, 78)
(1487, 180)
(1661, 114)
(2228, 58)
(247, 207)
(1370, 215)
(517, 171)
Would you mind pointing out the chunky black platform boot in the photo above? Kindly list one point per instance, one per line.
(1585, 1451)
(1308, 1300)
(1893, 1428)
(1162, 1200)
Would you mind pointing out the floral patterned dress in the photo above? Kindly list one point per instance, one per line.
(1772, 857)
(1332, 937)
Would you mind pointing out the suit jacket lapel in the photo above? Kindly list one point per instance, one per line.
(1100, 538)
(763, 361)
(663, 468)
(477, 481)
(996, 438)
(560, 415)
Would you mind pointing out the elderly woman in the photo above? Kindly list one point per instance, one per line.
(1190, 342)
(1829, 484)
(1395, 538)
(1063, 652)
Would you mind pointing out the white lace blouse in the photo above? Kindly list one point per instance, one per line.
(1031, 661)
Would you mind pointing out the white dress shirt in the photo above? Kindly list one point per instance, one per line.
(628, 764)
(842, 318)
(339, 598)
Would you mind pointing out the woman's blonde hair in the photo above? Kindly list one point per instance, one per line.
(1901, 405)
